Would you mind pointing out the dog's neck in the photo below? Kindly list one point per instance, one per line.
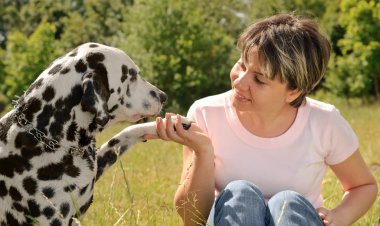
(75, 136)
(48, 142)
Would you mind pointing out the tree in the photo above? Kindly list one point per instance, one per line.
(186, 48)
(95, 21)
(28, 57)
(357, 71)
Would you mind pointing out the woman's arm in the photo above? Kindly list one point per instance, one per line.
(195, 194)
(360, 191)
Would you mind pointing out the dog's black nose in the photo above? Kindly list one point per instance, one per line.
(163, 97)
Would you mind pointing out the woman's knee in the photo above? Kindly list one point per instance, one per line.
(289, 196)
(292, 207)
(241, 190)
(243, 187)
(240, 203)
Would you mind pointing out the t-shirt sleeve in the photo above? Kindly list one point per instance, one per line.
(343, 141)
(195, 114)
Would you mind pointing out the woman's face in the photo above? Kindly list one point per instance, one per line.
(252, 91)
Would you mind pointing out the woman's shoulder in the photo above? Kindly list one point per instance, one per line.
(319, 106)
(323, 113)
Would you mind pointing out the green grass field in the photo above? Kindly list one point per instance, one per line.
(139, 188)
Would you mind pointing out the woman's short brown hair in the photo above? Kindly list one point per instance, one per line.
(291, 47)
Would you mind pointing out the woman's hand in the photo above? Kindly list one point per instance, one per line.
(328, 217)
(194, 137)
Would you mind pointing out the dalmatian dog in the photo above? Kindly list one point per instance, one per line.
(48, 159)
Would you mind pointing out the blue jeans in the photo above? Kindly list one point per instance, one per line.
(241, 203)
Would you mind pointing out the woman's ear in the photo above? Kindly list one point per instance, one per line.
(292, 95)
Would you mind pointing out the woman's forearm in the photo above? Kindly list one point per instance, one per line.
(195, 194)
(355, 203)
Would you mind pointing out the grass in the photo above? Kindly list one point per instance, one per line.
(139, 188)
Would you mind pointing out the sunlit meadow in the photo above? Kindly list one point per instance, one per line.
(139, 188)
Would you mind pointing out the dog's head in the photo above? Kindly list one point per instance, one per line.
(112, 87)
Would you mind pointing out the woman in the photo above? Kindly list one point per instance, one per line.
(257, 154)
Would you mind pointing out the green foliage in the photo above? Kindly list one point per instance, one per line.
(184, 47)
(357, 71)
(95, 21)
(28, 57)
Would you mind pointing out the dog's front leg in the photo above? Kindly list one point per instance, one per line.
(107, 153)
(121, 142)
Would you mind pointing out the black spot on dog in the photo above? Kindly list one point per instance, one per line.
(56, 130)
(63, 110)
(71, 131)
(69, 188)
(25, 139)
(89, 98)
(80, 66)
(48, 94)
(93, 59)
(128, 91)
(113, 108)
(153, 94)
(48, 212)
(65, 70)
(3, 189)
(32, 106)
(84, 139)
(124, 72)
(146, 105)
(69, 167)
(113, 142)
(84, 208)
(133, 73)
(118, 90)
(112, 90)
(121, 100)
(15, 194)
(30, 152)
(93, 125)
(52, 171)
(83, 190)
(55, 171)
(48, 192)
(11, 220)
(64, 209)
(34, 208)
(128, 105)
(19, 207)
(123, 149)
(108, 158)
(44, 117)
(55, 69)
(93, 45)
(30, 185)
(56, 222)
(12, 164)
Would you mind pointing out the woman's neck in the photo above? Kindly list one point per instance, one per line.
(264, 124)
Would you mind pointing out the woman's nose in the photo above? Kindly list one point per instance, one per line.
(241, 82)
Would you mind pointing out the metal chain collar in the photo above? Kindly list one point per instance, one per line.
(42, 137)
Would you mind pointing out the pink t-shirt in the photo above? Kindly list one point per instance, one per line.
(296, 160)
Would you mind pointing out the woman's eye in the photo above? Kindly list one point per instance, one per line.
(258, 81)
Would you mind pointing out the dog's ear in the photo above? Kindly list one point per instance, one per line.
(95, 96)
